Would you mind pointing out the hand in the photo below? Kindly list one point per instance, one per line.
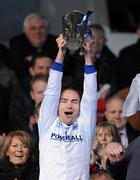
(87, 44)
(32, 121)
(114, 151)
(2, 139)
(86, 51)
(61, 42)
(28, 58)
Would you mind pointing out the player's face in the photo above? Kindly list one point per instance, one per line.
(69, 106)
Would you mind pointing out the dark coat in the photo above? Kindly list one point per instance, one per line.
(8, 171)
(20, 47)
(128, 65)
(131, 132)
(130, 162)
(105, 65)
(4, 104)
(21, 107)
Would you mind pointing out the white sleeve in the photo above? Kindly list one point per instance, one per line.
(49, 106)
(132, 102)
(88, 106)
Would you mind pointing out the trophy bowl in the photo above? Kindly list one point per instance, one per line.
(75, 26)
(71, 31)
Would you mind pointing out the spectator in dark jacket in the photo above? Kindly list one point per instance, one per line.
(8, 81)
(114, 108)
(21, 103)
(16, 158)
(4, 104)
(105, 62)
(35, 38)
(128, 63)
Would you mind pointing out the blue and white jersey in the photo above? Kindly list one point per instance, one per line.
(65, 150)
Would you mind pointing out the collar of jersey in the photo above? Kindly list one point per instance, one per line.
(73, 126)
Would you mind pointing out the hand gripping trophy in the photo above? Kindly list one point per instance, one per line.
(75, 28)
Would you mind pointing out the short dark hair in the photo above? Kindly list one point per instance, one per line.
(37, 55)
(74, 89)
(37, 77)
(71, 83)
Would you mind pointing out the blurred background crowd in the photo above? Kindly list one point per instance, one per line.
(27, 50)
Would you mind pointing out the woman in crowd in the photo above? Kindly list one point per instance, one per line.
(106, 132)
(16, 161)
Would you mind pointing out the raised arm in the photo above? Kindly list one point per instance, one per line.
(49, 107)
(89, 98)
(61, 49)
(87, 53)
(132, 101)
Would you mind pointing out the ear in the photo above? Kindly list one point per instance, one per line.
(31, 71)
(32, 94)
(138, 32)
(106, 114)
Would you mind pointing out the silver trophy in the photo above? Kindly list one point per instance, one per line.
(75, 27)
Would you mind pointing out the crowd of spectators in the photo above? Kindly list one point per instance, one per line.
(25, 66)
